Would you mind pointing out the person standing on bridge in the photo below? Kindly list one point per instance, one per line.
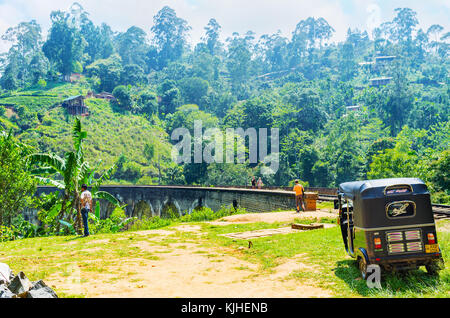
(86, 207)
(260, 183)
(299, 193)
(253, 182)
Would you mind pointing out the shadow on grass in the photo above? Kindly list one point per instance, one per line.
(405, 283)
(75, 238)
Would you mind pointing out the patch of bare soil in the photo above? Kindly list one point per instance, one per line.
(194, 229)
(272, 217)
(267, 232)
(293, 264)
(154, 232)
(443, 225)
(186, 270)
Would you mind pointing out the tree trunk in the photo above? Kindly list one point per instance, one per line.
(159, 169)
(61, 212)
(77, 204)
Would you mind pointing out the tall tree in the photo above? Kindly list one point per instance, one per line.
(99, 39)
(404, 24)
(24, 55)
(65, 45)
(273, 51)
(211, 37)
(399, 99)
(170, 96)
(74, 171)
(239, 61)
(194, 90)
(109, 71)
(308, 35)
(170, 35)
(132, 46)
(26, 39)
(433, 33)
(17, 184)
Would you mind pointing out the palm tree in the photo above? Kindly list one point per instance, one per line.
(73, 171)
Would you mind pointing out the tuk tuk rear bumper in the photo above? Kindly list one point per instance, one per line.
(406, 261)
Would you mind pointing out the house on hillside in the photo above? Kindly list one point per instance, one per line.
(384, 59)
(353, 108)
(75, 106)
(105, 95)
(72, 78)
(378, 62)
(368, 64)
(380, 81)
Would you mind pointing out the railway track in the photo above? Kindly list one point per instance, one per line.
(440, 211)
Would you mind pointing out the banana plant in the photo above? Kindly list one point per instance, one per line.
(73, 171)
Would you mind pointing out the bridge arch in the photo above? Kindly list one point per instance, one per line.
(198, 204)
(170, 208)
(143, 208)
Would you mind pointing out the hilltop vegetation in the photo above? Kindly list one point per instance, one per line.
(46, 126)
(302, 85)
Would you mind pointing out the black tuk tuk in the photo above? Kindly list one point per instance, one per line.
(390, 223)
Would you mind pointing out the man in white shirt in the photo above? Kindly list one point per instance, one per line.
(86, 207)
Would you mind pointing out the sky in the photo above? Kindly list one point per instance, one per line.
(259, 16)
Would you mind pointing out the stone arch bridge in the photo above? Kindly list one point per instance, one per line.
(159, 200)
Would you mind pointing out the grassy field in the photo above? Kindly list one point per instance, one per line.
(328, 268)
(39, 100)
(337, 271)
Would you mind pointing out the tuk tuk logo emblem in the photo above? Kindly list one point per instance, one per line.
(401, 210)
(398, 209)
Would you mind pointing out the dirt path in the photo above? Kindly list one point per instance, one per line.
(190, 270)
(272, 217)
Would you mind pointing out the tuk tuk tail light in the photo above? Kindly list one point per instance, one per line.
(377, 242)
(431, 239)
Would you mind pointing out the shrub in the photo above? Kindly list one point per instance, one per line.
(440, 198)
(203, 214)
(150, 223)
(6, 234)
(123, 97)
(19, 229)
(42, 83)
(206, 214)
(118, 221)
(23, 228)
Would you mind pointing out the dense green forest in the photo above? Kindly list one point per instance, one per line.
(372, 106)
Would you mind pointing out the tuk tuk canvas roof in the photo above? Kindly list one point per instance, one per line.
(355, 188)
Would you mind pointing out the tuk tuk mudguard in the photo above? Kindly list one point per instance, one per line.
(361, 252)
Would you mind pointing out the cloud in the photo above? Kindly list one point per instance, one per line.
(9, 15)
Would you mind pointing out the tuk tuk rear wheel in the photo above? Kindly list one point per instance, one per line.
(362, 264)
(433, 269)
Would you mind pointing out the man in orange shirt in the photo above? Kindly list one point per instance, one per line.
(299, 193)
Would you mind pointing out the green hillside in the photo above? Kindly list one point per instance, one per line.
(372, 105)
(110, 133)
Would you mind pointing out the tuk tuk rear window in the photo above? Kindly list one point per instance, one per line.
(401, 209)
(398, 189)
